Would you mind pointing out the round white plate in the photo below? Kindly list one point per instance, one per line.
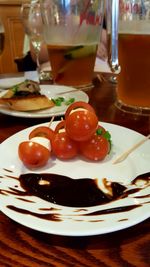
(51, 91)
(72, 221)
(9, 82)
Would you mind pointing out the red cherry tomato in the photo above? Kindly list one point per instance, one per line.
(32, 154)
(42, 131)
(63, 147)
(81, 125)
(60, 126)
(96, 148)
(77, 105)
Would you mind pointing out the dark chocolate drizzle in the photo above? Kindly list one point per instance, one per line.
(65, 191)
(80, 193)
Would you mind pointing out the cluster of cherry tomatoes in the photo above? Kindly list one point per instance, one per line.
(78, 134)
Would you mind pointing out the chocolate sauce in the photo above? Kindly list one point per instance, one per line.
(47, 216)
(83, 192)
(13, 177)
(25, 200)
(16, 192)
(63, 190)
(7, 170)
(142, 177)
(115, 210)
(57, 217)
(145, 196)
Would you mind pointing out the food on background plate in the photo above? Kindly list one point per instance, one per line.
(61, 100)
(83, 137)
(26, 96)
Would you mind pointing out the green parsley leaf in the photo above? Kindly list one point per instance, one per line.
(15, 89)
(69, 101)
(99, 131)
(107, 135)
(58, 101)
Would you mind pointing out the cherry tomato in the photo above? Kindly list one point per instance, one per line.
(96, 148)
(81, 125)
(42, 131)
(106, 134)
(63, 147)
(77, 105)
(60, 126)
(32, 154)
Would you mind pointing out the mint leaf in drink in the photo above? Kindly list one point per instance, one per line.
(81, 51)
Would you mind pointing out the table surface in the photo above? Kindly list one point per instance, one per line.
(21, 246)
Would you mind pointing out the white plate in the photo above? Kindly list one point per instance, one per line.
(9, 82)
(51, 91)
(73, 225)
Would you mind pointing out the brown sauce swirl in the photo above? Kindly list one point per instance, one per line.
(81, 193)
(63, 190)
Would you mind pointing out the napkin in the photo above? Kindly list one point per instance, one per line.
(101, 66)
(31, 75)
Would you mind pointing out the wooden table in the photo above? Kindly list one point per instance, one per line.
(21, 246)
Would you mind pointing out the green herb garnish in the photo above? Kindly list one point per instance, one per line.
(15, 89)
(99, 131)
(105, 134)
(58, 101)
(69, 101)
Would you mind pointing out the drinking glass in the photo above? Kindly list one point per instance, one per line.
(2, 37)
(33, 26)
(72, 31)
(133, 87)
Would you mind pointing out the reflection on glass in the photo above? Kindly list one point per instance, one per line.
(32, 21)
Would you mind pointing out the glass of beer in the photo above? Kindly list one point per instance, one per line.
(133, 88)
(72, 32)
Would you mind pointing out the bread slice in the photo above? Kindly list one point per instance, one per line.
(28, 103)
(26, 97)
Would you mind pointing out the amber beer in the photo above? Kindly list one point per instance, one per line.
(72, 65)
(134, 80)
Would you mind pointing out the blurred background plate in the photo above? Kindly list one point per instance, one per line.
(51, 91)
